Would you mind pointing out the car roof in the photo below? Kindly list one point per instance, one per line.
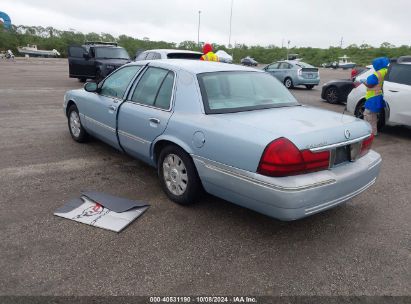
(195, 66)
(167, 51)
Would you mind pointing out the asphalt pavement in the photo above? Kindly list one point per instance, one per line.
(211, 248)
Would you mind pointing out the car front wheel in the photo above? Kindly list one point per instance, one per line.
(309, 86)
(178, 175)
(76, 129)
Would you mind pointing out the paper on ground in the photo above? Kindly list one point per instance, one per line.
(86, 211)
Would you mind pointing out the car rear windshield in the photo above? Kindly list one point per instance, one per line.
(111, 53)
(184, 55)
(227, 92)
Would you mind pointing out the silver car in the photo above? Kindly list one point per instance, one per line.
(233, 131)
(294, 73)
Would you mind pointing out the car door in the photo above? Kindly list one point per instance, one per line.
(145, 113)
(76, 61)
(397, 93)
(100, 109)
(283, 71)
(273, 69)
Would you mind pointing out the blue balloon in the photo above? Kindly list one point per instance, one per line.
(6, 20)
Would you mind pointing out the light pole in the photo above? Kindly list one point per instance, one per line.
(198, 34)
(231, 19)
(288, 48)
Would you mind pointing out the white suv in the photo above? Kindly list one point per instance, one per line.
(397, 94)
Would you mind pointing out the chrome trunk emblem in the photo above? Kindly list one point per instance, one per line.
(347, 134)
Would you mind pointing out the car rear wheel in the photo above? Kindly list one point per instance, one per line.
(309, 86)
(288, 83)
(331, 95)
(178, 175)
(82, 80)
(77, 132)
(359, 113)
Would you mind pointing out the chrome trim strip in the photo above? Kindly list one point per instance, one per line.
(227, 170)
(376, 164)
(100, 124)
(133, 137)
(340, 144)
(338, 200)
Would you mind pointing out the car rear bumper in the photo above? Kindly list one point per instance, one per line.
(294, 197)
(307, 81)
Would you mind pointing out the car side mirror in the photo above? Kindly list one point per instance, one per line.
(91, 87)
(86, 55)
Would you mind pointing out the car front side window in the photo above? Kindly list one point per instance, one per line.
(273, 67)
(116, 84)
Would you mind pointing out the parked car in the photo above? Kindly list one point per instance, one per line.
(397, 95)
(224, 57)
(294, 73)
(95, 60)
(336, 91)
(168, 54)
(235, 132)
(248, 61)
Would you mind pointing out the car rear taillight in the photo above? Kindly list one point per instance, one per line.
(366, 145)
(282, 158)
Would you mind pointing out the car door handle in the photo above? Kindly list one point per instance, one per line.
(394, 91)
(154, 121)
(112, 108)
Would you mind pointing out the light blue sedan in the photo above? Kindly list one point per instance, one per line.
(232, 131)
(294, 73)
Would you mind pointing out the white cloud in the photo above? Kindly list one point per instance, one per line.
(316, 23)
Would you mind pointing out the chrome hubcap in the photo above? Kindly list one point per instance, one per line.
(75, 124)
(175, 174)
(288, 83)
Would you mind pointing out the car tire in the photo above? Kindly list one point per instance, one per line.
(309, 86)
(77, 132)
(359, 113)
(331, 95)
(288, 82)
(178, 175)
(82, 80)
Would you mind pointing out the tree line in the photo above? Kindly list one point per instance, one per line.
(50, 38)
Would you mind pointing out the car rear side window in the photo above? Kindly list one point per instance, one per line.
(116, 84)
(285, 66)
(400, 73)
(193, 56)
(154, 88)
